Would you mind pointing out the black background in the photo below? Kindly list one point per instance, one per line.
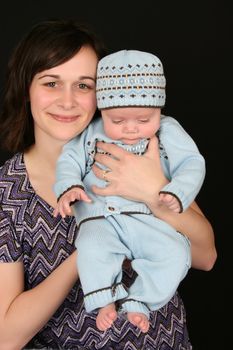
(194, 41)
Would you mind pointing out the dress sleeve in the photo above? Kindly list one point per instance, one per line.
(10, 247)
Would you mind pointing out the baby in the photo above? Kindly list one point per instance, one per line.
(130, 95)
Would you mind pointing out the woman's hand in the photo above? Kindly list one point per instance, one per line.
(139, 178)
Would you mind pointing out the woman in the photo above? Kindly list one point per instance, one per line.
(50, 98)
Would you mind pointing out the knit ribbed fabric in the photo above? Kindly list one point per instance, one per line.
(130, 78)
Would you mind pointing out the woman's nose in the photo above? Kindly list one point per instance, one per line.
(67, 99)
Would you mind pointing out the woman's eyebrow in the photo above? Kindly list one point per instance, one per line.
(55, 76)
(83, 77)
(49, 76)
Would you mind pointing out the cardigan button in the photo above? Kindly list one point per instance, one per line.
(111, 208)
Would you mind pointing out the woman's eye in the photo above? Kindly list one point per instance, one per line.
(51, 84)
(82, 86)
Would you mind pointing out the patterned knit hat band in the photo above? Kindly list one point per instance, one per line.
(130, 78)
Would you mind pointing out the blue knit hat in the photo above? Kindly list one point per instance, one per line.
(130, 78)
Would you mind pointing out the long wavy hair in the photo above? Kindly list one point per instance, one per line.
(48, 44)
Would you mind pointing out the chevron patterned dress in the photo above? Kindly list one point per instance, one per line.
(29, 233)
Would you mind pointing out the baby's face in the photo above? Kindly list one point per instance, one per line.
(130, 124)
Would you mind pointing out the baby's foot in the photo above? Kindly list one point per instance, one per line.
(139, 320)
(106, 316)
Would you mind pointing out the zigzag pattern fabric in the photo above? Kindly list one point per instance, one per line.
(29, 233)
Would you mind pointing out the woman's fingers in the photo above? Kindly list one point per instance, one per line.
(116, 151)
(104, 191)
(106, 160)
(118, 154)
(152, 151)
(135, 177)
(101, 174)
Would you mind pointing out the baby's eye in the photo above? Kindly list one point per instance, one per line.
(117, 121)
(143, 120)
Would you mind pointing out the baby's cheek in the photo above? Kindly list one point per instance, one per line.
(112, 131)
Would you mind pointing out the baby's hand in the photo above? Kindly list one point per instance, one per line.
(66, 200)
(170, 201)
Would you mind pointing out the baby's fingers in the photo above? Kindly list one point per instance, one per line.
(56, 212)
(62, 208)
(84, 197)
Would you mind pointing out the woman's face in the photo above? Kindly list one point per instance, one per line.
(63, 98)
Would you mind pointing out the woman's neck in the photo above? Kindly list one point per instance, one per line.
(40, 162)
(44, 155)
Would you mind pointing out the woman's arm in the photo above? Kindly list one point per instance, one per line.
(24, 313)
(140, 178)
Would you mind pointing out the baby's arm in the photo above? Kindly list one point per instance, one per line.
(70, 170)
(186, 165)
(68, 198)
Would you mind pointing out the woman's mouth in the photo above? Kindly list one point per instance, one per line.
(64, 118)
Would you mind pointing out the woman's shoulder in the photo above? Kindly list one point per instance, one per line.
(14, 181)
(15, 164)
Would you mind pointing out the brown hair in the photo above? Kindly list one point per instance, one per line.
(49, 44)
